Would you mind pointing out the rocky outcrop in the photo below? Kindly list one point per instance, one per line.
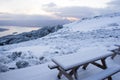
(22, 64)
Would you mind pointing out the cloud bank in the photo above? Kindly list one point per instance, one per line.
(57, 13)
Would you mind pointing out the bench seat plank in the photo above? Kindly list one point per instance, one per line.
(52, 65)
(104, 74)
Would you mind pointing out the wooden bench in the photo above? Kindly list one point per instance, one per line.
(52, 66)
(105, 74)
(69, 64)
(116, 51)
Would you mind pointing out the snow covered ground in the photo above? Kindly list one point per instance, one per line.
(42, 72)
(100, 31)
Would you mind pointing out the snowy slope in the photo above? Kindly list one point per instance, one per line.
(100, 31)
(99, 22)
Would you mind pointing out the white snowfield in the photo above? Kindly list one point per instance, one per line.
(94, 24)
(102, 32)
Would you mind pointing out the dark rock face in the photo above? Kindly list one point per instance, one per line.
(22, 64)
(11, 39)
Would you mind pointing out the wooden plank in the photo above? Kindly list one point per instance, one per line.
(109, 78)
(85, 66)
(75, 72)
(105, 74)
(113, 56)
(102, 66)
(52, 65)
(59, 74)
(65, 73)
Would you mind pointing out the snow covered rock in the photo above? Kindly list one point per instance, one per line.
(3, 68)
(15, 55)
(22, 64)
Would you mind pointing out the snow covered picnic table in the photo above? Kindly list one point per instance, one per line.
(69, 64)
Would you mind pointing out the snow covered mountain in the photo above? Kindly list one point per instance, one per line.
(99, 31)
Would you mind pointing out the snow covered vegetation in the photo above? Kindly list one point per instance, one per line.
(11, 39)
(99, 31)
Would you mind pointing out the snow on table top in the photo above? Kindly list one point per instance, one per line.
(83, 56)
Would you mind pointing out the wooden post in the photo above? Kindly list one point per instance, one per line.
(65, 73)
(85, 66)
(102, 66)
(110, 78)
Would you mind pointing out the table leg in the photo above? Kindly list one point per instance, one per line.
(102, 66)
(59, 75)
(110, 78)
(85, 66)
(62, 71)
(104, 63)
(75, 72)
(113, 56)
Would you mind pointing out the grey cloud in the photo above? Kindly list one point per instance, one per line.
(24, 17)
(113, 6)
(50, 5)
(115, 3)
(7, 19)
(73, 11)
(78, 12)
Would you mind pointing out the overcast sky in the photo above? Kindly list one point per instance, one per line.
(55, 9)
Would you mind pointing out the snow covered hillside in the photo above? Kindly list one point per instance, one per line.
(99, 31)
